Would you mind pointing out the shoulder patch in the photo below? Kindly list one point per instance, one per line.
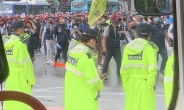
(23, 40)
(72, 60)
(10, 51)
(135, 57)
(89, 55)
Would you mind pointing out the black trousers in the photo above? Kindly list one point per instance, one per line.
(64, 46)
(116, 54)
(39, 44)
(31, 52)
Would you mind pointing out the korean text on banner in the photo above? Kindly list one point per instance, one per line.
(98, 8)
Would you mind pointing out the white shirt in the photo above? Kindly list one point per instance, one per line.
(169, 31)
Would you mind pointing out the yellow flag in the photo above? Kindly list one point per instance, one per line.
(98, 8)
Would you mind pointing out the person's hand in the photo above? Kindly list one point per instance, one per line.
(122, 32)
(169, 43)
(104, 49)
(55, 41)
(32, 30)
(42, 43)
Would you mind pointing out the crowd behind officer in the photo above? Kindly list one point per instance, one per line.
(82, 72)
(116, 31)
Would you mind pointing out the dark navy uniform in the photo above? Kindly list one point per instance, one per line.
(62, 34)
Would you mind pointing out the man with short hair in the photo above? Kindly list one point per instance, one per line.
(61, 37)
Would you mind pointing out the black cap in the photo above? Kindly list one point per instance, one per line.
(143, 29)
(90, 32)
(17, 25)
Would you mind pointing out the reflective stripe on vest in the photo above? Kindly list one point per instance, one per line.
(94, 80)
(74, 71)
(134, 66)
(168, 79)
(153, 66)
(20, 62)
(139, 66)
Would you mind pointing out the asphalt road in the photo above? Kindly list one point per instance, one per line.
(50, 88)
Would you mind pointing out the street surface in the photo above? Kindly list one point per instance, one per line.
(49, 88)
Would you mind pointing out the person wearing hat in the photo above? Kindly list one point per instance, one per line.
(48, 39)
(139, 70)
(61, 36)
(111, 44)
(22, 76)
(130, 34)
(82, 81)
(31, 43)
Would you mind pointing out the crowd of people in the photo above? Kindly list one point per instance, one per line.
(121, 35)
(66, 26)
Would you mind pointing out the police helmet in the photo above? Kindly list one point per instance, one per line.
(88, 34)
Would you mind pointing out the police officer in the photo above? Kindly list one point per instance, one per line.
(48, 35)
(22, 76)
(168, 80)
(82, 81)
(61, 36)
(111, 44)
(139, 70)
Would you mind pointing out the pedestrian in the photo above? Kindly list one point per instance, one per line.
(139, 70)
(111, 45)
(22, 76)
(31, 44)
(47, 35)
(61, 36)
(82, 81)
(159, 34)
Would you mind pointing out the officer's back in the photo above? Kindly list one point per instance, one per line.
(139, 70)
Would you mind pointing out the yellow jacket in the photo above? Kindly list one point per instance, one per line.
(82, 81)
(138, 73)
(22, 76)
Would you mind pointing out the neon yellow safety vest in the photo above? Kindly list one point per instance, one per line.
(22, 75)
(168, 79)
(138, 73)
(82, 81)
